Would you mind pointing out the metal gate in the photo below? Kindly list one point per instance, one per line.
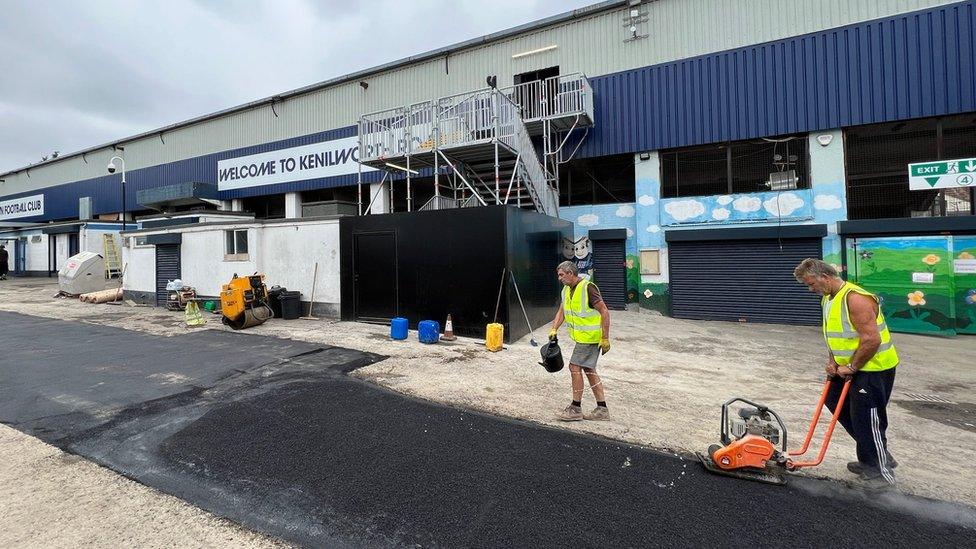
(610, 272)
(167, 268)
(743, 280)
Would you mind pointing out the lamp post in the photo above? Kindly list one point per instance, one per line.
(111, 169)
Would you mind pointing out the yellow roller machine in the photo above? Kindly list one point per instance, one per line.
(244, 302)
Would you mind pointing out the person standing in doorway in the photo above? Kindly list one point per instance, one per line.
(3, 262)
(588, 321)
(860, 349)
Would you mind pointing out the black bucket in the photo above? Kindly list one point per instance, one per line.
(291, 305)
(552, 356)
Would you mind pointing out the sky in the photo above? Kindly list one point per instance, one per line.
(79, 74)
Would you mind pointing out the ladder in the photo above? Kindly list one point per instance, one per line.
(113, 266)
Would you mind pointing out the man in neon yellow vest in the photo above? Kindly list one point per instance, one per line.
(588, 321)
(859, 345)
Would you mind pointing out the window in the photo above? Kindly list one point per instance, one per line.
(235, 245)
(138, 241)
(603, 180)
(266, 207)
(876, 158)
(733, 168)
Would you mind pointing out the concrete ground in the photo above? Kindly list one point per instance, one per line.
(52, 499)
(665, 380)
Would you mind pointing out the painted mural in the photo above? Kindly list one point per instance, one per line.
(737, 208)
(581, 252)
(927, 284)
(603, 216)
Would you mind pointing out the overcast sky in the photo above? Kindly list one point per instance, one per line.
(78, 74)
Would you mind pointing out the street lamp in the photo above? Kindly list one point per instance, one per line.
(111, 169)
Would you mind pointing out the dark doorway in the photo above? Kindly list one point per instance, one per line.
(537, 96)
(73, 244)
(610, 271)
(20, 258)
(168, 268)
(375, 265)
(52, 254)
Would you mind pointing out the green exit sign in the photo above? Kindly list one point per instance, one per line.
(944, 174)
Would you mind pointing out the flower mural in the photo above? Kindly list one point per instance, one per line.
(931, 260)
(966, 255)
(916, 298)
(971, 297)
(648, 294)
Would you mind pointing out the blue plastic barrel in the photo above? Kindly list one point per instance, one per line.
(429, 331)
(398, 328)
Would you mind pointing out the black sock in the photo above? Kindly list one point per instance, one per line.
(601, 403)
(577, 403)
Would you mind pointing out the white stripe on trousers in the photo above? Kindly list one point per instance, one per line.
(879, 446)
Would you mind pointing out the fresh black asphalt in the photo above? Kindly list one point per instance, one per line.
(275, 435)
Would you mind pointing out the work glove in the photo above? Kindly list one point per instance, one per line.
(552, 334)
(604, 346)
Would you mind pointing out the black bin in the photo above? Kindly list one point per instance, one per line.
(291, 305)
(273, 299)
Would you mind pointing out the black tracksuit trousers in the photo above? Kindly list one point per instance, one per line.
(865, 418)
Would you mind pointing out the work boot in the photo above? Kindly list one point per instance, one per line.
(857, 468)
(570, 413)
(600, 413)
(873, 480)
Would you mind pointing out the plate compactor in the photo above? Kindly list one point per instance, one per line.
(754, 441)
(244, 302)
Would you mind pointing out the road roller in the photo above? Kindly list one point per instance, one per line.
(244, 302)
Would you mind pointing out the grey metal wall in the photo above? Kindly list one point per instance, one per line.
(593, 44)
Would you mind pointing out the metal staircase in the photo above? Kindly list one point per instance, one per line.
(478, 146)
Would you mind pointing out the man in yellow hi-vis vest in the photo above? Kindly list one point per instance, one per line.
(859, 345)
(588, 321)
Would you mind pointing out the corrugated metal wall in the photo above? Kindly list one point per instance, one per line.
(677, 29)
(908, 66)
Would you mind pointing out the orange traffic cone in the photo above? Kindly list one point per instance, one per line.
(448, 330)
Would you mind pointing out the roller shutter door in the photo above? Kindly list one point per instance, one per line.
(610, 272)
(742, 280)
(167, 268)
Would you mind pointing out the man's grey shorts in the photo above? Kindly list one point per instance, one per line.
(585, 355)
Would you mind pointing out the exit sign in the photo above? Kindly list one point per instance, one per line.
(944, 174)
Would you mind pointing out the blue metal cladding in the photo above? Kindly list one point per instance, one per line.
(61, 202)
(912, 65)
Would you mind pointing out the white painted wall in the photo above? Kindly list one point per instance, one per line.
(37, 252)
(140, 275)
(285, 253)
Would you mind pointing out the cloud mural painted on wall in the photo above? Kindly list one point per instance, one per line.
(683, 210)
(827, 202)
(721, 214)
(654, 229)
(724, 200)
(645, 200)
(783, 204)
(626, 210)
(630, 232)
(588, 220)
(747, 204)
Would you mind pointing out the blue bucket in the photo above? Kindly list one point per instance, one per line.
(429, 331)
(398, 328)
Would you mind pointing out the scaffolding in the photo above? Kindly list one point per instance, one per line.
(479, 145)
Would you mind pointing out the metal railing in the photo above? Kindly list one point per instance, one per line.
(440, 202)
(472, 117)
(565, 95)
